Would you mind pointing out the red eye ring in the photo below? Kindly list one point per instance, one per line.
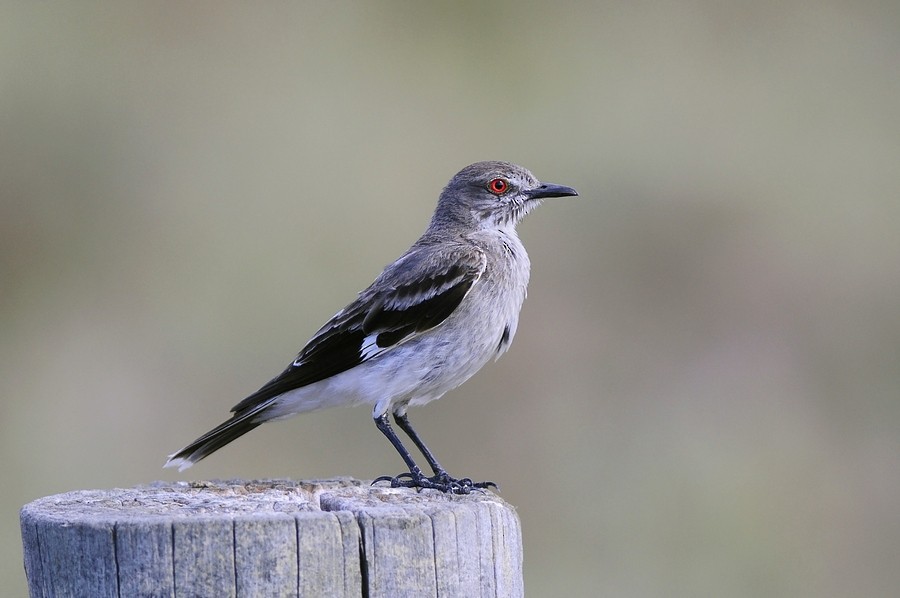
(498, 186)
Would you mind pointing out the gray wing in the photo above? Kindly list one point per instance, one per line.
(413, 295)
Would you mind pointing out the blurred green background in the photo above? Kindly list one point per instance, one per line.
(704, 395)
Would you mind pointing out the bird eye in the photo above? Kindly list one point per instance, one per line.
(498, 186)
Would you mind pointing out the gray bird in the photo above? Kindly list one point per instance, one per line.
(430, 321)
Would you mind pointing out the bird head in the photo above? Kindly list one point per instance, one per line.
(495, 195)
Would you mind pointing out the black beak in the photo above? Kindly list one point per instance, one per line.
(550, 190)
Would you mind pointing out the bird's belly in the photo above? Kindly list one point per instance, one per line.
(422, 369)
(452, 358)
(414, 373)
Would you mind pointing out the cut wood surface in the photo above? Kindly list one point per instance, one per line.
(338, 537)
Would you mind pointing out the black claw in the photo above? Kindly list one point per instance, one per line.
(395, 481)
(486, 485)
(441, 481)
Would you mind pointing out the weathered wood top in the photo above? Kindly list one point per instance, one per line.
(338, 537)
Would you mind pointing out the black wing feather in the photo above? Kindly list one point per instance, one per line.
(403, 302)
(406, 309)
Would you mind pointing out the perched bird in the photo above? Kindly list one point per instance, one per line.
(430, 321)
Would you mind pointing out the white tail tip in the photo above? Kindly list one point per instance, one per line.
(181, 463)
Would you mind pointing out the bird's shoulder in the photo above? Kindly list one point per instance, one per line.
(416, 292)
(428, 268)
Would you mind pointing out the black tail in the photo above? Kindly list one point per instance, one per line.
(234, 428)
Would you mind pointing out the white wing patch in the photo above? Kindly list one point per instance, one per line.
(369, 347)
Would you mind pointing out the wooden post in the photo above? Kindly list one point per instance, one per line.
(338, 537)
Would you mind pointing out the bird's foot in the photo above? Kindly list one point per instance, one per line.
(441, 481)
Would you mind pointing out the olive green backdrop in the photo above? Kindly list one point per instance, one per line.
(704, 395)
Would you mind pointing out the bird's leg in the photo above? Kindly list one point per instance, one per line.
(385, 426)
(415, 478)
(441, 476)
(403, 421)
